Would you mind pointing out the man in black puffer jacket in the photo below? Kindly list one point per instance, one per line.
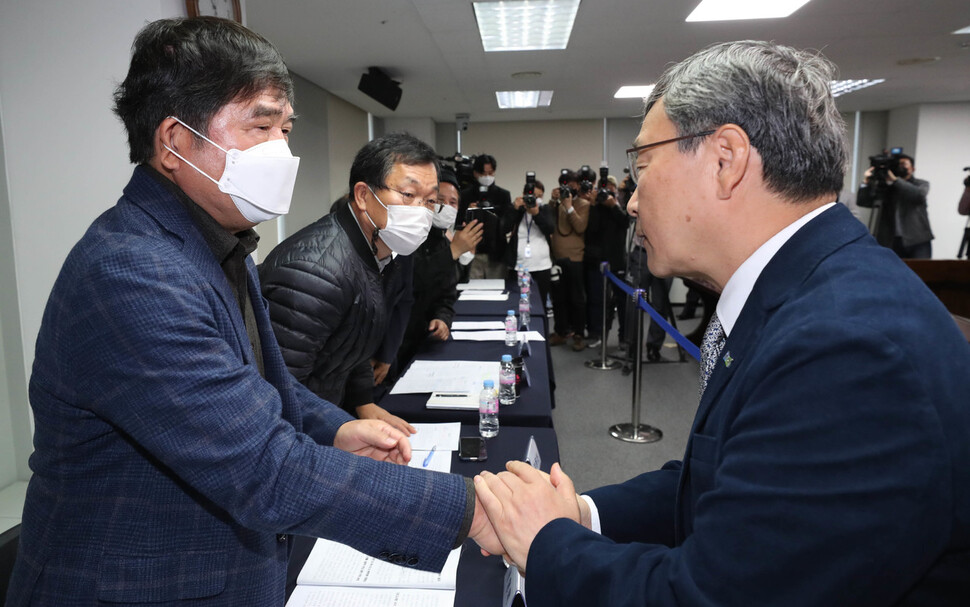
(325, 283)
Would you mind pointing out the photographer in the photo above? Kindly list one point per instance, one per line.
(964, 209)
(964, 206)
(900, 204)
(530, 226)
(571, 212)
(490, 253)
(605, 241)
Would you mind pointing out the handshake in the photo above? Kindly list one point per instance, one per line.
(513, 506)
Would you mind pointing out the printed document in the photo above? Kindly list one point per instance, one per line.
(426, 376)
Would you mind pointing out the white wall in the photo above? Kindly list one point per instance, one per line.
(543, 147)
(347, 126)
(65, 153)
(422, 128)
(942, 149)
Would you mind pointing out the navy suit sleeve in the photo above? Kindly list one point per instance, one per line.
(641, 509)
(814, 492)
(321, 419)
(148, 335)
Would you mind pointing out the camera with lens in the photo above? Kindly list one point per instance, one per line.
(882, 164)
(565, 177)
(462, 167)
(529, 191)
(587, 178)
(602, 191)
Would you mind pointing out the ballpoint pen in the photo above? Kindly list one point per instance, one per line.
(427, 460)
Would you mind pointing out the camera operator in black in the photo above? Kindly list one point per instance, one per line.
(605, 241)
(903, 223)
(489, 259)
(529, 227)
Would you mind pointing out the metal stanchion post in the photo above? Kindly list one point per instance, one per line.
(636, 432)
(602, 364)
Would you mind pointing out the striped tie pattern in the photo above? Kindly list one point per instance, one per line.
(711, 347)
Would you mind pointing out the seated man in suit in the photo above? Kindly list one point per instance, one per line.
(174, 453)
(829, 460)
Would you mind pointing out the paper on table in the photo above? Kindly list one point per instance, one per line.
(482, 284)
(333, 564)
(493, 335)
(483, 296)
(440, 460)
(446, 375)
(441, 436)
(476, 325)
(318, 596)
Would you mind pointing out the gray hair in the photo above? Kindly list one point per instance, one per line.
(779, 95)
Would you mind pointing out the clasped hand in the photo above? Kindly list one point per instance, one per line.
(517, 504)
(375, 439)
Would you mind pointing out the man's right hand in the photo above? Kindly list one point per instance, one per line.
(467, 238)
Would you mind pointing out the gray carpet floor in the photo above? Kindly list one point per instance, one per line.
(589, 401)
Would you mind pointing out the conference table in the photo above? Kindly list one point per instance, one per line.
(534, 405)
(480, 579)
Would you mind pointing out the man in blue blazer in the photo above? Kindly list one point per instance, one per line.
(174, 452)
(829, 460)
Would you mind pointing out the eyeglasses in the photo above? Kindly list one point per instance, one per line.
(410, 199)
(633, 153)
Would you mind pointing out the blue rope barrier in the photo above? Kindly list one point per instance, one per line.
(682, 341)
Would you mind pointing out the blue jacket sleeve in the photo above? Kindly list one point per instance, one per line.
(149, 338)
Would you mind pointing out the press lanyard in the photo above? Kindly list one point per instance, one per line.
(528, 235)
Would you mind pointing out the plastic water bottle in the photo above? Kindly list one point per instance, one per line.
(506, 381)
(524, 309)
(511, 329)
(488, 410)
(525, 282)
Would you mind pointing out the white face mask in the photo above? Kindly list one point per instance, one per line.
(445, 218)
(407, 226)
(486, 180)
(259, 180)
(538, 199)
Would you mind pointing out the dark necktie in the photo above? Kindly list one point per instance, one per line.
(711, 347)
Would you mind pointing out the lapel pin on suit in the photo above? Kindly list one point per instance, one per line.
(727, 359)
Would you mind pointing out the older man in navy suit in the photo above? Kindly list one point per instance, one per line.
(174, 452)
(829, 460)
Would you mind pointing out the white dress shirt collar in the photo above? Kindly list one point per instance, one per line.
(739, 286)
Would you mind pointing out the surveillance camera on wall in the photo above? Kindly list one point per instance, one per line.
(462, 121)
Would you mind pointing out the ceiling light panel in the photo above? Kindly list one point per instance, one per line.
(843, 87)
(525, 25)
(633, 92)
(734, 10)
(508, 100)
